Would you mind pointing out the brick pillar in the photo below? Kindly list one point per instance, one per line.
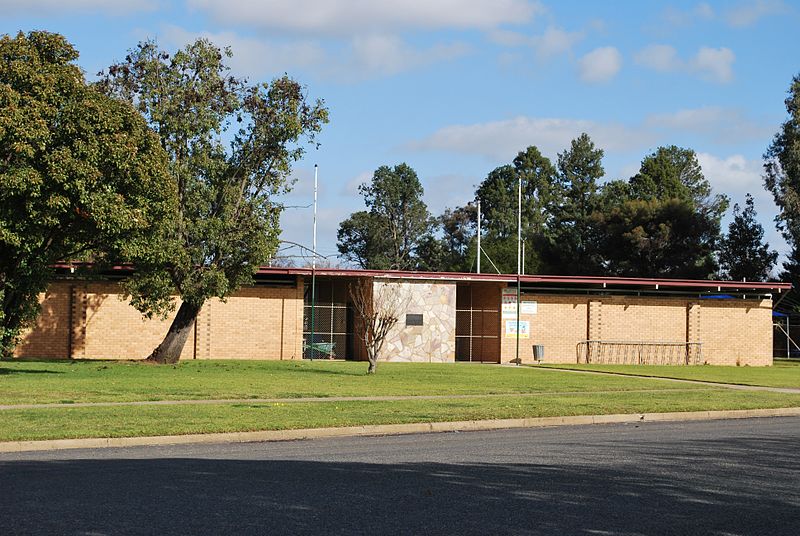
(693, 331)
(594, 331)
(594, 324)
(77, 327)
(202, 332)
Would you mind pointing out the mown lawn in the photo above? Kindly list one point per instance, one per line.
(781, 374)
(547, 392)
(128, 421)
(109, 381)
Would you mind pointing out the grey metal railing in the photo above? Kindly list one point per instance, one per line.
(640, 352)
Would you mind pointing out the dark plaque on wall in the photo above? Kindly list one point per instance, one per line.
(413, 320)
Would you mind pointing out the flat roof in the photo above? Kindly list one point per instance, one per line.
(542, 280)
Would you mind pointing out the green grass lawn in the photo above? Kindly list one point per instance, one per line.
(781, 374)
(109, 381)
(127, 421)
(550, 393)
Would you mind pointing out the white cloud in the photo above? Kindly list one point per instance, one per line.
(350, 188)
(501, 140)
(114, 7)
(736, 176)
(554, 41)
(675, 17)
(448, 190)
(749, 12)
(713, 64)
(723, 125)
(388, 55)
(661, 58)
(600, 65)
(348, 16)
(252, 56)
(362, 57)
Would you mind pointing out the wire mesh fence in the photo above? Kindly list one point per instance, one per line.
(640, 352)
(477, 335)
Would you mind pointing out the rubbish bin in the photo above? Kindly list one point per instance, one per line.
(538, 352)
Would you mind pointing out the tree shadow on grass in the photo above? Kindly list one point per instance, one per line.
(332, 372)
(4, 371)
(665, 495)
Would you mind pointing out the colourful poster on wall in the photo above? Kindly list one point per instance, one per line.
(524, 329)
(509, 304)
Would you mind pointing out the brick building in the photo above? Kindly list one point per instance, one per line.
(447, 317)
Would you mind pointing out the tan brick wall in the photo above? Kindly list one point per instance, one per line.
(559, 324)
(87, 320)
(731, 331)
(115, 330)
(736, 331)
(255, 323)
(49, 337)
(628, 318)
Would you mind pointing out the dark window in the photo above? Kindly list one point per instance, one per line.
(413, 320)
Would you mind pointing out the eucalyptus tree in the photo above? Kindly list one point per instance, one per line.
(782, 179)
(231, 146)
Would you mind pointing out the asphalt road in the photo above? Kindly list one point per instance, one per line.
(718, 477)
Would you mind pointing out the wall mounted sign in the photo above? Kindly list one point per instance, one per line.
(509, 303)
(524, 329)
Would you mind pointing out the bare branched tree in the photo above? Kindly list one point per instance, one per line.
(378, 308)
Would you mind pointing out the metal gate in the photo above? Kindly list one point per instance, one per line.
(477, 323)
(333, 321)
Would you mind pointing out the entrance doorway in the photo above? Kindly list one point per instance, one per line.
(478, 322)
(333, 321)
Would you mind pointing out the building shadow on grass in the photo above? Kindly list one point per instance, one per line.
(667, 495)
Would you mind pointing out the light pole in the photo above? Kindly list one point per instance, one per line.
(313, 267)
(519, 258)
(479, 236)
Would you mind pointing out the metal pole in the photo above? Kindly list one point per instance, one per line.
(523, 256)
(788, 349)
(313, 267)
(479, 236)
(519, 258)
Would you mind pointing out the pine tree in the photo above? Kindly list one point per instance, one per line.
(744, 256)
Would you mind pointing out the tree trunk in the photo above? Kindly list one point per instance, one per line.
(169, 351)
(372, 363)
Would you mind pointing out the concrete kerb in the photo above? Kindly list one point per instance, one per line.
(389, 429)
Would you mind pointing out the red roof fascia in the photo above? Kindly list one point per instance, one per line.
(507, 278)
(562, 279)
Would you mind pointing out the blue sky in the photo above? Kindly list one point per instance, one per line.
(457, 87)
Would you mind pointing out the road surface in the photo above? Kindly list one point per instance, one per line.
(716, 477)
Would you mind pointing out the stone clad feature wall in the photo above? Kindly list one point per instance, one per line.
(433, 341)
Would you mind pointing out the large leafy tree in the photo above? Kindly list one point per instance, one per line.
(81, 174)
(743, 255)
(782, 179)
(230, 146)
(657, 238)
(498, 194)
(387, 235)
(674, 173)
(665, 222)
(572, 246)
